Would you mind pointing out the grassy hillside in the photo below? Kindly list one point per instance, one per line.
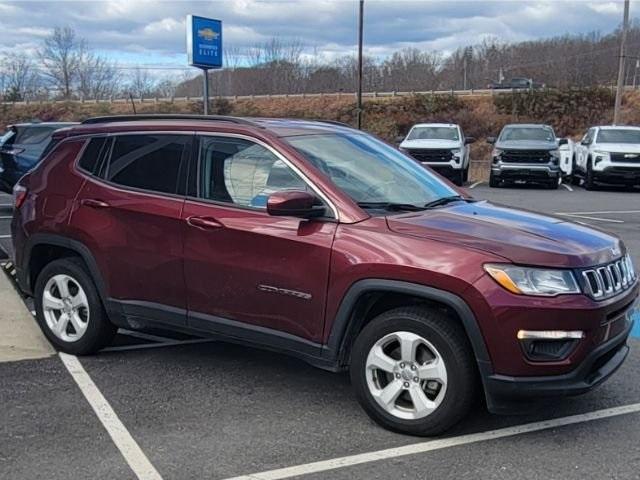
(570, 112)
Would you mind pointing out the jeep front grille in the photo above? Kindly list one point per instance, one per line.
(625, 157)
(609, 280)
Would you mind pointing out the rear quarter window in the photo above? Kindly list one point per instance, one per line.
(92, 154)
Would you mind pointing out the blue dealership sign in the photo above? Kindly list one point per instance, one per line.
(204, 42)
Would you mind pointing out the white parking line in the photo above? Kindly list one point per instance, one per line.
(568, 187)
(128, 447)
(598, 219)
(605, 212)
(476, 184)
(432, 445)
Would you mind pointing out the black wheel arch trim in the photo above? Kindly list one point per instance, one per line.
(341, 330)
(81, 249)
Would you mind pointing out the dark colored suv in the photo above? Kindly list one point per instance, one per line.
(320, 241)
(21, 147)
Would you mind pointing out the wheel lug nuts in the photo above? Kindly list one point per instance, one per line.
(397, 375)
(406, 384)
(416, 379)
(402, 365)
(413, 367)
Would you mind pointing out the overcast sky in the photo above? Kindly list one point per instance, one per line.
(153, 32)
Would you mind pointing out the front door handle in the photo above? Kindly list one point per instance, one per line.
(206, 223)
(93, 203)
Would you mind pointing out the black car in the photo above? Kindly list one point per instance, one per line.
(21, 147)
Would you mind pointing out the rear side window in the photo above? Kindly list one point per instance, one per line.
(147, 162)
(91, 155)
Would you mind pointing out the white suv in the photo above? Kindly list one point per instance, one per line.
(441, 146)
(608, 154)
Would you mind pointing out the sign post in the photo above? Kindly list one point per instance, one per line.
(204, 49)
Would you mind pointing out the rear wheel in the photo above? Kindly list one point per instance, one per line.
(69, 310)
(466, 174)
(413, 372)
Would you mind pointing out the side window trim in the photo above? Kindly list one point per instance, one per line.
(200, 134)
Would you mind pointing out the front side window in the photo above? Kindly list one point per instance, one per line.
(370, 171)
(544, 134)
(433, 133)
(148, 162)
(241, 172)
(618, 136)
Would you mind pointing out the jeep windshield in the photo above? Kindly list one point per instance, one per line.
(433, 133)
(618, 136)
(543, 134)
(373, 174)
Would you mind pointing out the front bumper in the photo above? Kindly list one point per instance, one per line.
(525, 171)
(449, 169)
(599, 365)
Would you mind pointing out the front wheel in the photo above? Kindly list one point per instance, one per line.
(69, 310)
(494, 182)
(458, 177)
(589, 182)
(413, 371)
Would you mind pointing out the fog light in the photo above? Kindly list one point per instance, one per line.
(550, 334)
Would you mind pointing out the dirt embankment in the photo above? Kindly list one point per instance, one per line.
(570, 112)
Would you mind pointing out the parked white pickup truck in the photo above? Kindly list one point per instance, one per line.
(608, 154)
(441, 146)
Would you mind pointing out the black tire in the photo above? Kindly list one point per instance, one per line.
(575, 178)
(448, 337)
(99, 331)
(589, 182)
(494, 182)
(553, 184)
(458, 177)
(466, 174)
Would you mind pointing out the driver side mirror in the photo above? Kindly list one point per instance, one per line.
(585, 142)
(294, 203)
(491, 140)
(562, 141)
(399, 139)
(469, 140)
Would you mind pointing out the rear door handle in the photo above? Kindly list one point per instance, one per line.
(206, 223)
(93, 203)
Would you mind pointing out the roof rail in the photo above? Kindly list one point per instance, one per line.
(162, 116)
(335, 122)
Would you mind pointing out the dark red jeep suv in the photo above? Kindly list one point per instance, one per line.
(318, 240)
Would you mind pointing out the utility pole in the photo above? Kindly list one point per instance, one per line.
(359, 99)
(205, 91)
(623, 41)
(464, 67)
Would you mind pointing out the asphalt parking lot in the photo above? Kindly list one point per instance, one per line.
(200, 409)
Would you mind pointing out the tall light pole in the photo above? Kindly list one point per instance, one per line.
(359, 94)
(620, 87)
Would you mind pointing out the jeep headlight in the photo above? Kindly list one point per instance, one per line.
(496, 152)
(533, 281)
(554, 153)
(599, 156)
(455, 151)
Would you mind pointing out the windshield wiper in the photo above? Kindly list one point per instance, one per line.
(445, 200)
(394, 207)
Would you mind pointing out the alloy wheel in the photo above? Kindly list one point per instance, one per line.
(65, 308)
(406, 375)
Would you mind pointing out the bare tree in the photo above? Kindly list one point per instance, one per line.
(97, 78)
(60, 57)
(19, 77)
(141, 84)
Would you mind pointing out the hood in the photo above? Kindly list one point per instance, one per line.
(526, 145)
(616, 147)
(435, 144)
(520, 236)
